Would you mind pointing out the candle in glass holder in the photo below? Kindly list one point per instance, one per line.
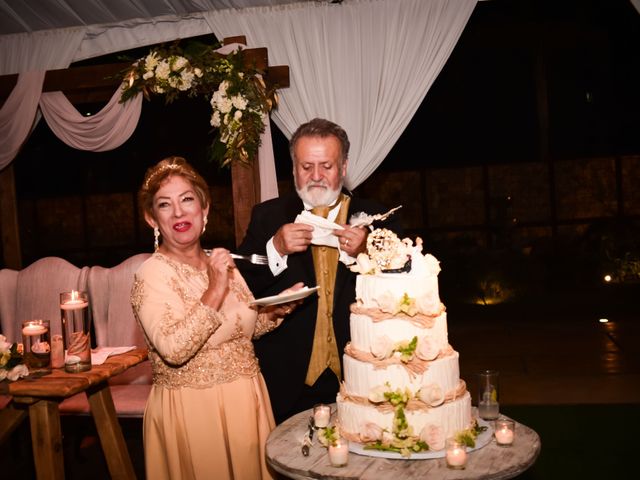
(321, 415)
(455, 454)
(36, 345)
(74, 308)
(504, 431)
(339, 452)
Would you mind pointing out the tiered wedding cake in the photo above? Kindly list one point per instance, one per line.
(402, 389)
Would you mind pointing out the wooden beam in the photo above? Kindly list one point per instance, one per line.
(96, 83)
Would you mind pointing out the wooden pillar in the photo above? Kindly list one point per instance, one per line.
(245, 186)
(11, 252)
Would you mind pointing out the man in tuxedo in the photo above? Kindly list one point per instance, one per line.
(302, 359)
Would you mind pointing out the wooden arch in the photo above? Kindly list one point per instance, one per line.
(96, 83)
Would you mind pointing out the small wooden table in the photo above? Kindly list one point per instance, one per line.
(489, 462)
(40, 397)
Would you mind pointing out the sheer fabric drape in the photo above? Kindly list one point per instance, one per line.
(365, 64)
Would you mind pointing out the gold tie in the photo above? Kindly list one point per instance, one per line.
(325, 262)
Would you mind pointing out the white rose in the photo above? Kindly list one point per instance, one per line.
(433, 435)
(239, 102)
(382, 347)
(427, 349)
(178, 63)
(4, 345)
(224, 104)
(151, 61)
(376, 395)
(174, 81)
(215, 119)
(163, 70)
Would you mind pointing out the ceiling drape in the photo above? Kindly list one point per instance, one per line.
(364, 64)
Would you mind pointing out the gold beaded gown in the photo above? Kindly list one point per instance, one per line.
(208, 414)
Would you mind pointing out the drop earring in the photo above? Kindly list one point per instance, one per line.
(156, 239)
(204, 224)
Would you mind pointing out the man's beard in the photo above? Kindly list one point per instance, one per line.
(316, 194)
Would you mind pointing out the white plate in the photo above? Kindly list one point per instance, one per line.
(482, 439)
(284, 298)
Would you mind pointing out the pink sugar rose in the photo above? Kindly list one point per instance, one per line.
(427, 349)
(433, 435)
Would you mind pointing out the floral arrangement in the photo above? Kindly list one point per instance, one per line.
(11, 366)
(402, 439)
(238, 95)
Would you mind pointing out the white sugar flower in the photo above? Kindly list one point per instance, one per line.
(376, 395)
(382, 347)
(431, 394)
(370, 433)
(427, 349)
(433, 435)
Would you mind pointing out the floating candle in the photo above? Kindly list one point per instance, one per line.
(32, 329)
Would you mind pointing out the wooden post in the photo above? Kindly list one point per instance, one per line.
(245, 185)
(11, 252)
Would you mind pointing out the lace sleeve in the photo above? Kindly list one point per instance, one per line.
(264, 325)
(176, 324)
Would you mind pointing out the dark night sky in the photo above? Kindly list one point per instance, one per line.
(481, 109)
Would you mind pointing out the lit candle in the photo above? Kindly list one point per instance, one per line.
(504, 431)
(321, 415)
(456, 454)
(75, 302)
(339, 452)
(32, 329)
(504, 436)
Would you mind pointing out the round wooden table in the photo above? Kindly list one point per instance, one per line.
(489, 462)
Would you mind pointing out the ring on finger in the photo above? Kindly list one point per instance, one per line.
(346, 243)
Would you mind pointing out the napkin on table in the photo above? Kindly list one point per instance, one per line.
(100, 354)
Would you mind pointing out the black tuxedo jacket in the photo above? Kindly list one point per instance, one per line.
(285, 352)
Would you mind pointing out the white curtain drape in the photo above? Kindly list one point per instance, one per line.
(45, 50)
(364, 64)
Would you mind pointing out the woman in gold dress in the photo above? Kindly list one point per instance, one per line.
(208, 414)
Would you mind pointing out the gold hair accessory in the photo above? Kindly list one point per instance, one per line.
(164, 168)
